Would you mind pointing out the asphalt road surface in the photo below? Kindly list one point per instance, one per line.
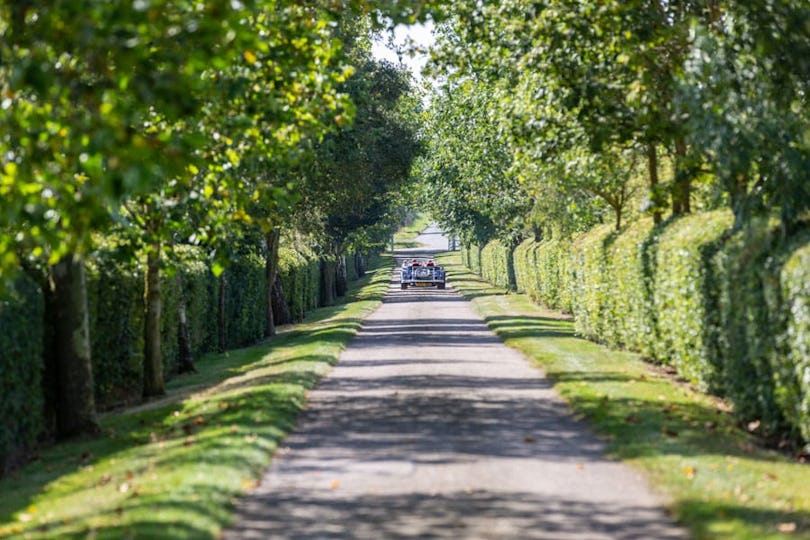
(430, 427)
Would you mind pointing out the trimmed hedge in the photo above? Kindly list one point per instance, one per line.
(729, 310)
(760, 314)
(471, 257)
(497, 265)
(685, 299)
(20, 369)
(245, 301)
(795, 288)
(115, 306)
(116, 313)
(591, 283)
(300, 276)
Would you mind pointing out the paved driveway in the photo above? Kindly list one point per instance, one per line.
(430, 427)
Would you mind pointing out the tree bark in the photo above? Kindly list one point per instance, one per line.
(186, 360)
(652, 170)
(281, 311)
(341, 278)
(682, 189)
(360, 264)
(328, 292)
(221, 334)
(272, 241)
(70, 404)
(153, 384)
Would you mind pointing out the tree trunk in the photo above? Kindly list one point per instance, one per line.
(328, 292)
(739, 194)
(537, 231)
(69, 390)
(617, 212)
(186, 360)
(341, 278)
(682, 188)
(360, 264)
(272, 240)
(153, 384)
(221, 336)
(281, 311)
(652, 169)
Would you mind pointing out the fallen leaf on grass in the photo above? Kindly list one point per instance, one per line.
(632, 419)
(789, 527)
(249, 483)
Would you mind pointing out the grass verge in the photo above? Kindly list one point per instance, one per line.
(405, 238)
(720, 483)
(173, 468)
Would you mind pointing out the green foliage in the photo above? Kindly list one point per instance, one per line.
(245, 301)
(795, 282)
(631, 319)
(116, 311)
(471, 255)
(21, 312)
(762, 321)
(115, 298)
(465, 173)
(183, 460)
(729, 310)
(591, 282)
(200, 292)
(497, 265)
(685, 294)
(694, 453)
(299, 272)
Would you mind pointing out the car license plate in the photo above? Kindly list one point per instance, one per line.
(423, 284)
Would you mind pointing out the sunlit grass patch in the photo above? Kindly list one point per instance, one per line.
(173, 468)
(406, 236)
(720, 483)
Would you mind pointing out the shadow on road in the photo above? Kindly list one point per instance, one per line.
(508, 515)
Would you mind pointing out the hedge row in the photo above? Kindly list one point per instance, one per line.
(730, 310)
(300, 274)
(115, 305)
(497, 265)
(471, 257)
(20, 361)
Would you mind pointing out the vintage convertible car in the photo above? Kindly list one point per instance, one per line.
(421, 273)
